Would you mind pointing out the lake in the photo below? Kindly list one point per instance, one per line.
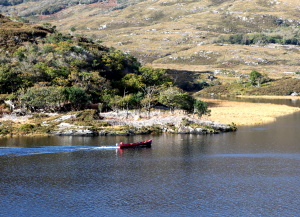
(252, 172)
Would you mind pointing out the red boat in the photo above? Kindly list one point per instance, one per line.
(146, 143)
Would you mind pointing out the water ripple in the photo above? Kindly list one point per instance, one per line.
(295, 156)
(21, 151)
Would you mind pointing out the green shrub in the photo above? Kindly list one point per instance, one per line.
(27, 127)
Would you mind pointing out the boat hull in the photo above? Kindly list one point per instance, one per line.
(143, 144)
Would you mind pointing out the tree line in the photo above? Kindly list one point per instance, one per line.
(260, 38)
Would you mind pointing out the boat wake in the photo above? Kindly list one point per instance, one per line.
(21, 151)
(106, 147)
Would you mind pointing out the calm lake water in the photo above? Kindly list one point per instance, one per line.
(252, 172)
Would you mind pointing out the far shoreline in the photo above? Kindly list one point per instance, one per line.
(268, 97)
(248, 113)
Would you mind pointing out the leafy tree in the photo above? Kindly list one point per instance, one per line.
(116, 102)
(46, 98)
(119, 64)
(76, 96)
(136, 100)
(131, 83)
(175, 98)
(128, 102)
(9, 79)
(255, 78)
(187, 102)
(157, 77)
(91, 82)
(200, 108)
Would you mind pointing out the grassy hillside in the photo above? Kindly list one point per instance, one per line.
(44, 8)
(192, 35)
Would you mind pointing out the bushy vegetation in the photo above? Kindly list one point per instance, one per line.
(280, 35)
(280, 87)
(63, 72)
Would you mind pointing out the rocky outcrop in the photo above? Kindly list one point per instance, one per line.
(66, 129)
(75, 132)
(160, 122)
(125, 124)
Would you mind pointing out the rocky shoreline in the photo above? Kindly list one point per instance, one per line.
(91, 123)
(133, 124)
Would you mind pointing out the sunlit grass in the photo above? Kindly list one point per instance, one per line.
(243, 113)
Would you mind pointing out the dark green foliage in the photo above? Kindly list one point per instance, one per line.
(157, 77)
(61, 72)
(255, 77)
(9, 79)
(118, 64)
(46, 98)
(76, 96)
(176, 98)
(236, 39)
(58, 37)
(259, 38)
(193, 86)
(200, 108)
(26, 127)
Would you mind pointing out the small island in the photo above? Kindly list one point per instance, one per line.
(59, 84)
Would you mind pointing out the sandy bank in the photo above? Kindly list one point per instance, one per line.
(244, 113)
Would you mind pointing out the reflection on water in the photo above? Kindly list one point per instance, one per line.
(252, 172)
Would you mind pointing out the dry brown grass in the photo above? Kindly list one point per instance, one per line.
(170, 34)
(154, 31)
(244, 113)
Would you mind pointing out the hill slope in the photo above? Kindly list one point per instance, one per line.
(196, 35)
(15, 33)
